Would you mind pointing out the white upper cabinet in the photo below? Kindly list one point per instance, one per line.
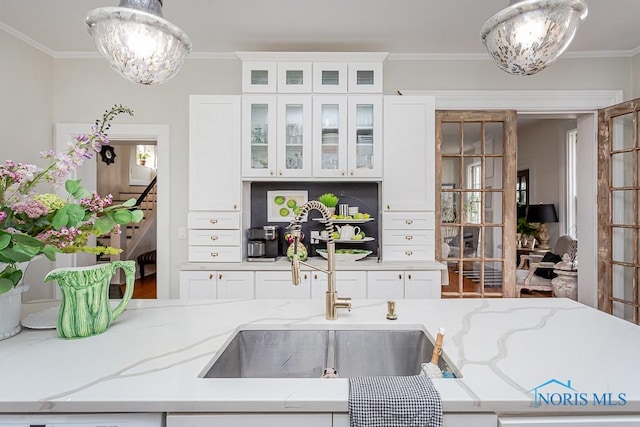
(294, 135)
(259, 77)
(294, 77)
(365, 136)
(259, 135)
(330, 77)
(214, 153)
(330, 136)
(365, 77)
(409, 153)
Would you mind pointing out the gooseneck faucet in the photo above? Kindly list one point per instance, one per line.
(333, 302)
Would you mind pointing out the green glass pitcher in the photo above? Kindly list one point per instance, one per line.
(85, 309)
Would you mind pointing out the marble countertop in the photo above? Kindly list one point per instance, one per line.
(283, 263)
(151, 358)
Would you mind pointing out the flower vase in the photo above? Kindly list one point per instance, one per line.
(85, 309)
(11, 306)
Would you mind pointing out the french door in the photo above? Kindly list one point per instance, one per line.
(476, 210)
(618, 210)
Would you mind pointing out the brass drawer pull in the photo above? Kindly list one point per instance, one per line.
(214, 254)
(220, 276)
(214, 238)
(408, 237)
(210, 276)
(213, 221)
(280, 173)
(409, 253)
(409, 277)
(271, 172)
(409, 221)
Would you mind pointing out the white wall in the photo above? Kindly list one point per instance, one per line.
(81, 89)
(635, 76)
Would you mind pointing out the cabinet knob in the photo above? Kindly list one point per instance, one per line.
(210, 276)
(388, 207)
(235, 206)
(400, 276)
(408, 237)
(304, 277)
(342, 173)
(213, 221)
(271, 172)
(214, 238)
(351, 172)
(214, 254)
(280, 173)
(409, 221)
(219, 276)
(408, 253)
(409, 276)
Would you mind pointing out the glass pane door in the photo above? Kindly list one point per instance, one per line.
(476, 224)
(618, 211)
(364, 136)
(294, 139)
(260, 136)
(330, 135)
(330, 139)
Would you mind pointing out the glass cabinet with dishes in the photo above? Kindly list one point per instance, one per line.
(294, 135)
(330, 135)
(259, 135)
(365, 136)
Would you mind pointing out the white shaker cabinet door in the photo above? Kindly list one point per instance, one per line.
(409, 153)
(422, 284)
(349, 284)
(448, 420)
(215, 176)
(571, 421)
(279, 285)
(235, 285)
(385, 285)
(250, 420)
(198, 285)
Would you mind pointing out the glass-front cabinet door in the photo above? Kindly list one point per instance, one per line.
(259, 135)
(330, 136)
(365, 136)
(294, 136)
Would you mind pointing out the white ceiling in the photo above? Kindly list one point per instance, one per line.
(429, 28)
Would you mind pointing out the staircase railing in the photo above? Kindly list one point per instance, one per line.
(132, 236)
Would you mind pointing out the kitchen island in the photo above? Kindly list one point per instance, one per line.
(507, 351)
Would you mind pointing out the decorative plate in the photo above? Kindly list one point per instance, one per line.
(346, 255)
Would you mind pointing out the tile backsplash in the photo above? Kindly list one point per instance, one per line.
(364, 195)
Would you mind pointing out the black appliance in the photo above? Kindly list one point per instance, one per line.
(264, 243)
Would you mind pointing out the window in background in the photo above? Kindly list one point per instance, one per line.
(571, 201)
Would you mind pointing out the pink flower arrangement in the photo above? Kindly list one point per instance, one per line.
(34, 223)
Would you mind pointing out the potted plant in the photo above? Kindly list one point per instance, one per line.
(34, 224)
(330, 200)
(142, 157)
(524, 229)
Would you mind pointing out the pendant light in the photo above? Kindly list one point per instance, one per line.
(138, 42)
(528, 35)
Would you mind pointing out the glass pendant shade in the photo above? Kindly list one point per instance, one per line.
(527, 36)
(138, 42)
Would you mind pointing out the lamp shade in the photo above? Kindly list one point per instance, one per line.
(542, 213)
(527, 36)
(138, 42)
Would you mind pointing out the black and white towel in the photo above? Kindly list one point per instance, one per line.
(394, 402)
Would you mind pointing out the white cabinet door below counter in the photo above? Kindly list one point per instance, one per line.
(279, 285)
(349, 284)
(385, 285)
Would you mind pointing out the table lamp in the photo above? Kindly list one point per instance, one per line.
(542, 214)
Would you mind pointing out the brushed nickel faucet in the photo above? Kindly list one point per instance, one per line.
(333, 302)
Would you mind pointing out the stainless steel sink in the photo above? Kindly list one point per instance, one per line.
(306, 353)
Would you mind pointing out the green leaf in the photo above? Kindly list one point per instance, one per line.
(81, 193)
(122, 217)
(50, 252)
(23, 239)
(61, 218)
(75, 215)
(136, 216)
(72, 186)
(5, 239)
(29, 251)
(14, 276)
(5, 285)
(129, 203)
(16, 256)
(104, 224)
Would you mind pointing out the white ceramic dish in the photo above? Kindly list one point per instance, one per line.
(45, 319)
(346, 257)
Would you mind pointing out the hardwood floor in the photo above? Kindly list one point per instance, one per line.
(471, 286)
(144, 288)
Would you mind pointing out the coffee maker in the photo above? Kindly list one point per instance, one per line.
(264, 243)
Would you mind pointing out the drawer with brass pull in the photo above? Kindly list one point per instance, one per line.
(215, 254)
(408, 237)
(408, 220)
(214, 237)
(213, 220)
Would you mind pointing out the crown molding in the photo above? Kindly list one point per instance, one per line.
(28, 40)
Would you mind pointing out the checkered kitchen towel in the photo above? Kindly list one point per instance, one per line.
(394, 402)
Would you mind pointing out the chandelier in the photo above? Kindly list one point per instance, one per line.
(138, 42)
(528, 35)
